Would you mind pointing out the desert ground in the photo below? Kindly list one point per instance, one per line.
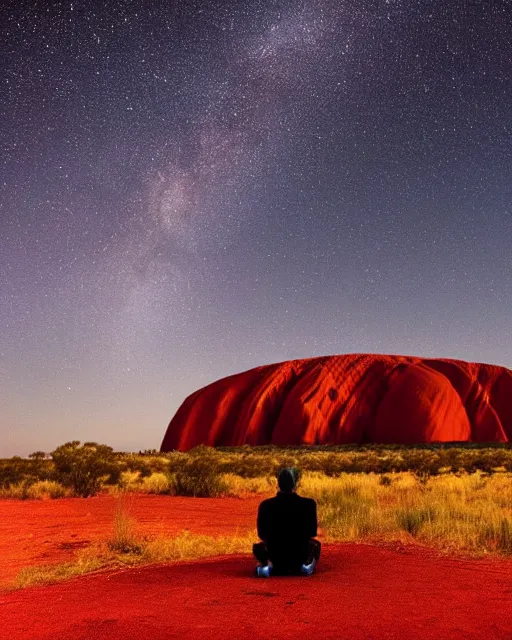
(360, 591)
(36, 532)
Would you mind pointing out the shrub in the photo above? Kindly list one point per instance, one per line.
(83, 467)
(199, 478)
(16, 491)
(156, 483)
(40, 490)
(17, 470)
(46, 489)
(144, 465)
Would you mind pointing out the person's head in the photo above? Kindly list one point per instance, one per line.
(287, 479)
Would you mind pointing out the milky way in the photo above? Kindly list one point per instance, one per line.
(191, 190)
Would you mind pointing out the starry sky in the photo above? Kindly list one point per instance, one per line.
(189, 189)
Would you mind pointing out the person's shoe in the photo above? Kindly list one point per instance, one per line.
(263, 572)
(307, 569)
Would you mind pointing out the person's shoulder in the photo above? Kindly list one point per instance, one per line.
(267, 502)
(309, 501)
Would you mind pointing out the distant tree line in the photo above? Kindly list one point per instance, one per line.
(85, 468)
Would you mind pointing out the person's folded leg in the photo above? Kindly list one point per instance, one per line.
(314, 554)
(260, 553)
(314, 548)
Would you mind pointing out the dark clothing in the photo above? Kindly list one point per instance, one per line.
(286, 524)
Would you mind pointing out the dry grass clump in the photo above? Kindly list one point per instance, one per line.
(129, 481)
(42, 490)
(17, 491)
(188, 546)
(346, 505)
(124, 539)
(135, 482)
(47, 489)
(158, 483)
(240, 487)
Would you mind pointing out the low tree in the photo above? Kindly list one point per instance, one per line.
(83, 467)
(38, 455)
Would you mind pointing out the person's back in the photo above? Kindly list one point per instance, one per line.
(286, 524)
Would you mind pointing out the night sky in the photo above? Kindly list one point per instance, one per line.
(190, 189)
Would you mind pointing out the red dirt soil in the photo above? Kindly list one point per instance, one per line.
(352, 398)
(359, 592)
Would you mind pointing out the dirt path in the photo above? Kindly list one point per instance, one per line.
(360, 592)
(34, 532)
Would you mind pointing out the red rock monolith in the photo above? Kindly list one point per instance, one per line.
(353, 398)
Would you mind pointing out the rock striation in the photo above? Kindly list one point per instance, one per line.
(353, 398)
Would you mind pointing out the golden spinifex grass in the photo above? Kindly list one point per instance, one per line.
(469, 513)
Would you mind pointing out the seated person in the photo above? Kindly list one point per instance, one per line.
(286, 524)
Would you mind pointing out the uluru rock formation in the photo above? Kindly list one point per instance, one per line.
(354, 398)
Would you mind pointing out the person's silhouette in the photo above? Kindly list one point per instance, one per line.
(287, 525)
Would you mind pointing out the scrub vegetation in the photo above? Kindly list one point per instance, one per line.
(456, 499)
(468, 514)
(86, 469)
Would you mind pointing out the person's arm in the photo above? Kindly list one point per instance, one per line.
(318, 531)
(262, 522)
(314, 522)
